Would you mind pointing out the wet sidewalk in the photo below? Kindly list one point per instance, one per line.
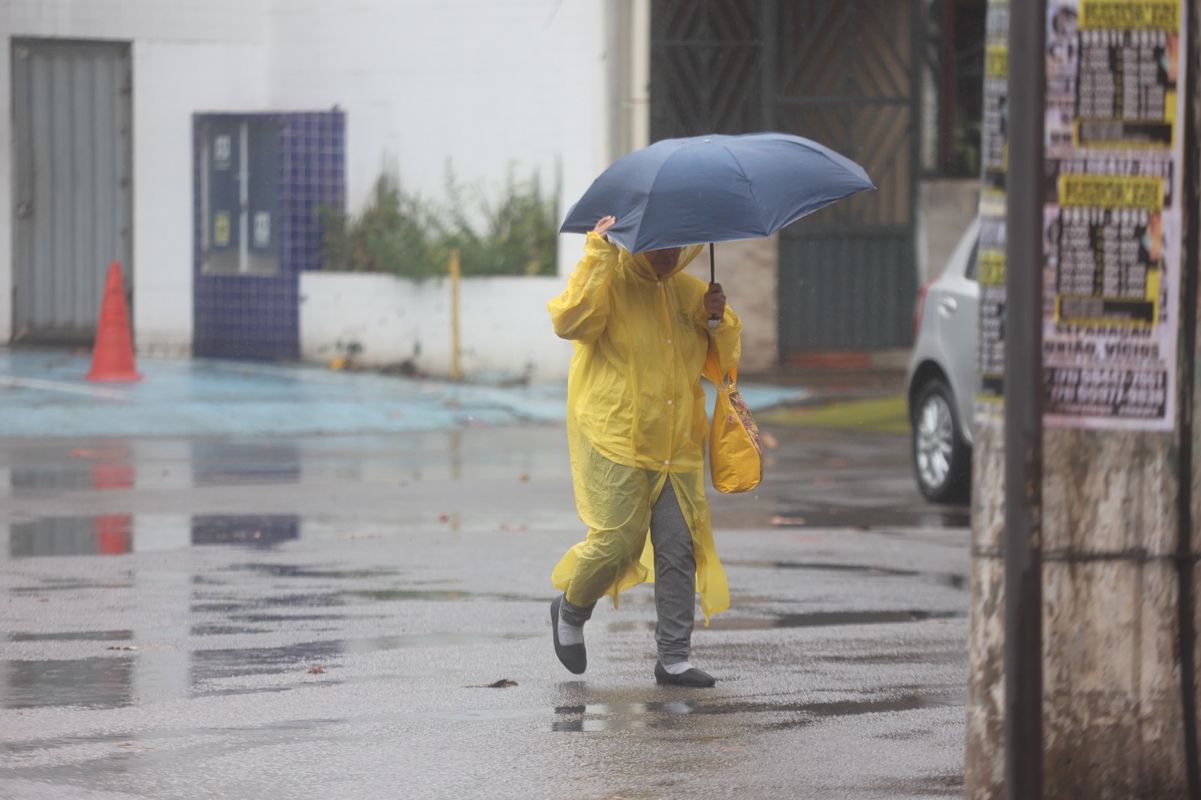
(43, 393)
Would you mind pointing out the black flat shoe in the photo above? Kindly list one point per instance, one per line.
(694, 678)
(573, 656)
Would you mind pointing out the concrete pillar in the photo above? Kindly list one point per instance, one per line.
(1113, 718)
(1119, 649)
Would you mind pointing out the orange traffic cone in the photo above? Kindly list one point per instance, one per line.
(112, 358)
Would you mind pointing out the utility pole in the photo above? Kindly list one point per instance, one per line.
(1024, 404)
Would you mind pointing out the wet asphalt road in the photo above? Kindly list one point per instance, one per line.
(322, 617)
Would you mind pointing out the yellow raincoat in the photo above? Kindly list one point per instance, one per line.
(636, 416)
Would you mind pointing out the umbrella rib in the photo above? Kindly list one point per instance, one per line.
(750, 186)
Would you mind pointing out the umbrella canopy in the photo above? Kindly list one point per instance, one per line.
(714, 189)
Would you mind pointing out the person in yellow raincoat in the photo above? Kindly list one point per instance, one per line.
(636, 428)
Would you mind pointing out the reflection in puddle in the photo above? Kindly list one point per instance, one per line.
(679, 713)
(71, 536)
(61, 478)
(116, 466)
(112, 534)
(216, 463)
(258, 531)
(90, 682)
(73, 636)
(106, 468)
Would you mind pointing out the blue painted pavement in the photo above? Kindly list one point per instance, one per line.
(43, 394)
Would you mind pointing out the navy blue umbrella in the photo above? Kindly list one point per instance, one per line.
(714, 189)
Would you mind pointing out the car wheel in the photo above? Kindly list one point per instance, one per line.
(942, 460)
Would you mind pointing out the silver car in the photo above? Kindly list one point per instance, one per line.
(942, 376)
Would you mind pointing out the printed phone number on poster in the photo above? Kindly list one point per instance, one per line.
(1125, 393)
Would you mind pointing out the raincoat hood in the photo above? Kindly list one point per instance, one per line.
(639, 265)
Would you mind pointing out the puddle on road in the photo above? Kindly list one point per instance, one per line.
(238, 613)
(208, 665)
(242, 464)
(212, 665)
(203, 463)
(815, 619)
(682, 713)
(89, 682)
(207, 463)
(109, 682)
(950, 579)
(222, 740)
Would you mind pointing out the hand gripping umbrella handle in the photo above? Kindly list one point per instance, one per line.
(713, 321)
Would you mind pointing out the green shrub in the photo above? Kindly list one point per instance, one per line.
(397, 232)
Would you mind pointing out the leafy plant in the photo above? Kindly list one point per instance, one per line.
(397, 232)
(392, 231)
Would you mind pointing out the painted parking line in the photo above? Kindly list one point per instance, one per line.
(65, 388)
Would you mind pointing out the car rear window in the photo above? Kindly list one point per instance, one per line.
(970, 271)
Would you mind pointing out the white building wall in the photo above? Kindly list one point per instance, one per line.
(172, 80)
(485, 84)
(505, 329)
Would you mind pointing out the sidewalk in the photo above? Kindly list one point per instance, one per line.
(43, 394)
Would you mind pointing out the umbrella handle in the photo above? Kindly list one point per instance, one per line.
(713, 321)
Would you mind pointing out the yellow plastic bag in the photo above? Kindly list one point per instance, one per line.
(735, 449)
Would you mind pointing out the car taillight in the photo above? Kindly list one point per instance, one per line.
(919, 308)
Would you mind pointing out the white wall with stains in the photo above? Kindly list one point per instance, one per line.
(505, 330)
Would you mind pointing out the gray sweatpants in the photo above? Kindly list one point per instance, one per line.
(675, 581)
